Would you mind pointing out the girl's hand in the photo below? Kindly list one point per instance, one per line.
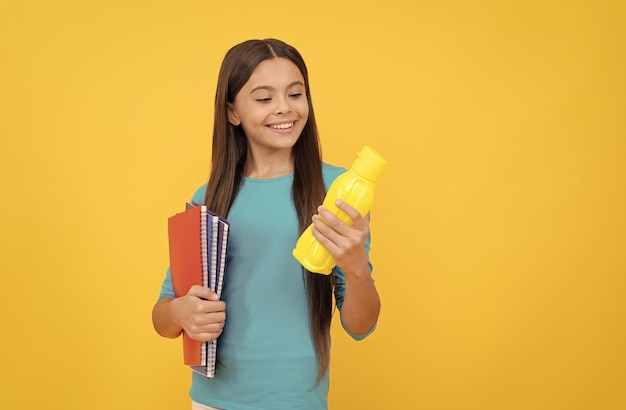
(345, 243)
(200, 313)
(361, 304)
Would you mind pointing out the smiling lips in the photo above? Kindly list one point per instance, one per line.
(284, 126)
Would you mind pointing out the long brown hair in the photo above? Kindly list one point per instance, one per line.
(228, 159)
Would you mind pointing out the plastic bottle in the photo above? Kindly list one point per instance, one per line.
(356, 188)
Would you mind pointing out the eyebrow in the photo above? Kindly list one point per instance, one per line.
(269, 88)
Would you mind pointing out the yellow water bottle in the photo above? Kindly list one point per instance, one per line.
(356, 188)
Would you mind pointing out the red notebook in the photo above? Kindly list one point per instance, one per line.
(186, 232)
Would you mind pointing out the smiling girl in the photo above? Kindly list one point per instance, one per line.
(268, 179)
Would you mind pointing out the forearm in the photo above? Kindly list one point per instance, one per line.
(163, 319)
(361, 304)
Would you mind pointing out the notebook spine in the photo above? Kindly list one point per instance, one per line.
(205, 269)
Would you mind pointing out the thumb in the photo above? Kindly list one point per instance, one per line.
(202, 293)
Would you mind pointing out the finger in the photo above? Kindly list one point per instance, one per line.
(334, 221)
(205, 325)
(335, 235)
(209, 321)
(323, 234)
(203, 308)
(325, 229)
(358, 220)
(202, 292)
(205, 336)
(347, 208)
(214, 307)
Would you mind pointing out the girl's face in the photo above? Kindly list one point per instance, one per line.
(272, 106)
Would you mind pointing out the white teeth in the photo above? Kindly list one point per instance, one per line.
(282, 126)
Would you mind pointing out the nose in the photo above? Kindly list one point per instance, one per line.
(283, 106)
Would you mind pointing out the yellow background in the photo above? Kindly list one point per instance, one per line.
(499, 227)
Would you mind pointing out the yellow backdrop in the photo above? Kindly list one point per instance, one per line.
(499, 227)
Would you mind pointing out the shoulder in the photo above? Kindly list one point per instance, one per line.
(331, 172)
(198, 196)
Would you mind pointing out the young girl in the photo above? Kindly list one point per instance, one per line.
(267, 178)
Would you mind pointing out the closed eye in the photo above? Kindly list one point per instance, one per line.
(264, 100)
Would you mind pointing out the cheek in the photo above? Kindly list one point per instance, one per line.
(253, 115)
(303, 109)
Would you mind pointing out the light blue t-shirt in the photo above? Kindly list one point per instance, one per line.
(266, 357)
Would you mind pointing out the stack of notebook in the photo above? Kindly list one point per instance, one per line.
(198, 239)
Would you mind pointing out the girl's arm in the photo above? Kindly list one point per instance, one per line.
(199, 313)
(361, 303)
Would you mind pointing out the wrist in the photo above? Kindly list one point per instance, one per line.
(168, 318)
(359, 273)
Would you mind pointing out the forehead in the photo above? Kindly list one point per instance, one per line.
(275, 72)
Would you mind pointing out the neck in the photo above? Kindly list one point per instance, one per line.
(268, 165)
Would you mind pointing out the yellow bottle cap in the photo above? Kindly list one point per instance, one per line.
(369, 164)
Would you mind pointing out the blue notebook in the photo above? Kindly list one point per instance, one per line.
(215, 238)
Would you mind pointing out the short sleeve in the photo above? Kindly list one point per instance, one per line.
(167, 288)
